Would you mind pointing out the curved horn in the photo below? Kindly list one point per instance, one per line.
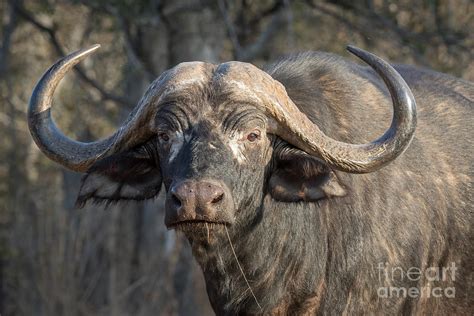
(72, 154)
(295, 127)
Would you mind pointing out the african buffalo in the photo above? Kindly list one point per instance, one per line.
(284, 212)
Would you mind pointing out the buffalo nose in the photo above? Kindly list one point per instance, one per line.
(196, 200)
(199, 194)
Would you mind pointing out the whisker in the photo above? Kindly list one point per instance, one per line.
(240, 267)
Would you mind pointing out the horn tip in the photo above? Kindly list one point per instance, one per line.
(87, 51)
(92, 48)
(360, 53)
(352, 49)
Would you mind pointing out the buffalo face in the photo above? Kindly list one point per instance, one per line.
(212, 161)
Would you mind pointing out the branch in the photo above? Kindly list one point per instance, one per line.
(335, 15)
(181, 7)
(363, 31)
(230, 27)
(277, 6)
(51, 33)
(289, 20)
(251, 51)
(6, 41)
(131, 47)
(403, 34)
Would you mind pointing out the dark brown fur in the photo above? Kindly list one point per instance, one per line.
(416, 212)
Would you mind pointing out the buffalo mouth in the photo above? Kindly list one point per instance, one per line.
(198, 225)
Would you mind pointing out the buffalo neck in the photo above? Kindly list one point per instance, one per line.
(276, 253)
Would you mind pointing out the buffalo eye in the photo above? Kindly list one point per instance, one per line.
(255, 135)
(164, 137)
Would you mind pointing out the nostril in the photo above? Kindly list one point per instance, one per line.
(176, 200)
(218, 198)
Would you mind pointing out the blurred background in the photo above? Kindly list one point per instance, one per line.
(58, 260)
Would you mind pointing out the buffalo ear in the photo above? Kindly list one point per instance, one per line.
(122, 176)
(298, 176)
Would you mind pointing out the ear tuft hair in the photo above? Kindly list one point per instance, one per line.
(121, 177)
(298, 176)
